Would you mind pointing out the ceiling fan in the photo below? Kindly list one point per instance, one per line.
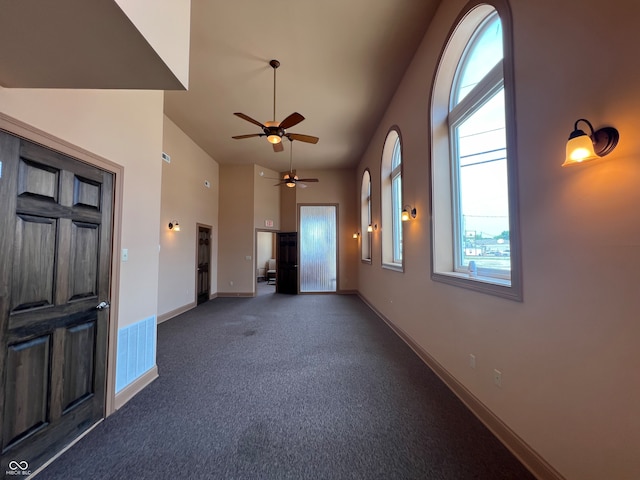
(291, 179)
(274, 131)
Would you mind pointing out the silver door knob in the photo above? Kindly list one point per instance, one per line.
(102, 306)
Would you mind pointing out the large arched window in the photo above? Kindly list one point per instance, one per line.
(365, 217)
(391, 192)
(474, 183)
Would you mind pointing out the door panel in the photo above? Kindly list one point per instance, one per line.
(287, 258)
(33, 262)
(83, 274)
(78, 376)
(55, 257)
(26, 410)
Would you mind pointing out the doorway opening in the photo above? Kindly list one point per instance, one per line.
(266, 265)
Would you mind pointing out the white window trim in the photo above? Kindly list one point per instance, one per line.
(442, 203)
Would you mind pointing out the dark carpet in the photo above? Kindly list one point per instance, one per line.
(288, 387)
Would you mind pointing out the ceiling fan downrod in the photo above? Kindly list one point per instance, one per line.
(274, 64)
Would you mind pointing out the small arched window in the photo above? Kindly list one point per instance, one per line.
(474, 183)
(391, 192)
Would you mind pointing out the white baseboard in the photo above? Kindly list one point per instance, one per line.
(537, 465)
(128, 392)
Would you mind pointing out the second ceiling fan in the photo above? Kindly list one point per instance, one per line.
(291, 179)
(274, 131)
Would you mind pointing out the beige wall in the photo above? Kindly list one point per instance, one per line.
(124, 127)
(236, 271)
(187, 199)
(568, 353)
(247, 195)
(266, 201)
(336, 186)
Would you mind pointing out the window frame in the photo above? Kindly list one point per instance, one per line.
(444, 219)
(392, 237)
(366, 237)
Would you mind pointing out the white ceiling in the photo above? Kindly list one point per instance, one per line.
(341, 62)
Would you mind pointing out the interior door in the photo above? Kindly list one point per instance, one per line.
(55, 259)
(204, 260)
(287, 260)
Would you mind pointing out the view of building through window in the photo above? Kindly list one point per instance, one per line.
(478, 129)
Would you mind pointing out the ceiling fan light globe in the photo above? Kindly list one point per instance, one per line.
(274, 139)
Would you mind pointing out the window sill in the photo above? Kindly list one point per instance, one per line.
(396, 267)
(492, 286)
(366, 261)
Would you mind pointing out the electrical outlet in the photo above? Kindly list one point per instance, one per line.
(125, 254)
(497, 377)
(472, 360)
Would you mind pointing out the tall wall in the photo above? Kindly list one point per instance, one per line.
(236, 238)
(187, 199)
(568, 353)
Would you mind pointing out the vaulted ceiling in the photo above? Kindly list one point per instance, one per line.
(341, 62)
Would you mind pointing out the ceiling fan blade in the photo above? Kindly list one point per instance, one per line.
(249, 119)
(302, 138)
(293, 119)
(308, 180)
(301, 185)
(240, 137)
(277, 147)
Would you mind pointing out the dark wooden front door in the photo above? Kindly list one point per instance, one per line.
(204, 259)
(55, 259)
(287, 258)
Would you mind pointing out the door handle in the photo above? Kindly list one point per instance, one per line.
(102, 306)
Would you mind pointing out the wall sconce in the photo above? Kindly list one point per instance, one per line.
(174, 225)
(373, 227)
(582, 147)
(408, 212)
(356, 234)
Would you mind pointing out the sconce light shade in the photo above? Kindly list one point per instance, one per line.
(583, 148)
(356, 234)
(407, 213)
(174, 225)
(370, 228)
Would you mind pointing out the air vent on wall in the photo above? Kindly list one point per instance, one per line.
(166, 157)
